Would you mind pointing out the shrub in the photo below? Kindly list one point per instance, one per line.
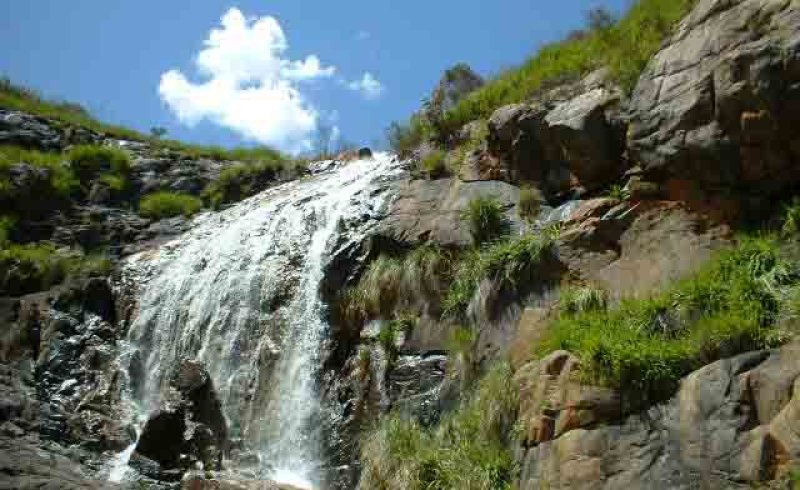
(644, 346)
(392, 284)
(510, 263)
(433, 164)
(161, 205)
(530, 200)
(624, 47)
(88, 161)
(243, 180)
(486, 218)
(468, 449)
(618, 193)
(403, 138)
(583, 299)
(791, 219)
(62, 180)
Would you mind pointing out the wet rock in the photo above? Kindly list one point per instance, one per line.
(190, 426)
(719, 103)
(364, 153)
(162, 438)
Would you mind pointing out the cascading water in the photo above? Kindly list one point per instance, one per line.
(240, 292)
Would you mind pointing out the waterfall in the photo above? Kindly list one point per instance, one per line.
(240, 291)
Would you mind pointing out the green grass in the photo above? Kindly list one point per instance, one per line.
(112, 166)
(530, 202)
(161, 205)
(16, 97)
(574, 300)
(486, 219)
(243, 180)
(433, 164)
(644, 346)
(467, 450)
(511, 262)
(393, 287)
(791, 219)
(62, 179)
(37, 267)
(624, 48)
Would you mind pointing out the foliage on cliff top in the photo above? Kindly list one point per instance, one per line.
(62, 179)
(467, 450)
(644, 346)
(624, 47)
(243, 180)
(16, 97)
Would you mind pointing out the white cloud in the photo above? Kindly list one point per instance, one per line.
(250, 86)
(368, 86)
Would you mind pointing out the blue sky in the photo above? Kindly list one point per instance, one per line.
(273, 70)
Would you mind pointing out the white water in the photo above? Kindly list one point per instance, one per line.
(240, 291)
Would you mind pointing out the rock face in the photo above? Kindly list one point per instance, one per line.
(569, 139)
(733, 422)
(720, 103)
(190, 426)
(432, 210)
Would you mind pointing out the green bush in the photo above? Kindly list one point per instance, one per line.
(509, 262)
(433, 164)
(161, 205)
(618, 193)
(403, 138)
(644, 346)
(486, 219)
(530, 201)
(791, 219)
(405, 284)
(624, 47)
(583, 299)
(467, 450)
(89, 161)
(62, 179)
(243, 180)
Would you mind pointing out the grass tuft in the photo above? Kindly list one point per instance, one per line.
(161, 205)
(467, 450)
(644, 346)
(486, 218)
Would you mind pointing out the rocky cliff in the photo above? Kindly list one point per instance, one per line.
(635, 271)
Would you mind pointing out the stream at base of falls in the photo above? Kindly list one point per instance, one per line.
(240, 293)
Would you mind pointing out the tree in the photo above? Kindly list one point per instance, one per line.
(158, 132)
(599, 19)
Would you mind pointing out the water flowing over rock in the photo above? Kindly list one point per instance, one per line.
(240, 293)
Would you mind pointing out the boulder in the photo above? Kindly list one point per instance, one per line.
(720, 103)
(364, 152)
(432, 210)
(21, 129)
(189, 426)
(568, 139)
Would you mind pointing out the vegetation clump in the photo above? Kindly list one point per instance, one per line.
(644, 346)
(530, 201)
(623, 46)
(243, 180)
(467, 450)
(39, 266)
(486, 219)
(112, 166)
(62, 180)
(165, 204)
(433, 164)
(510, 263)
